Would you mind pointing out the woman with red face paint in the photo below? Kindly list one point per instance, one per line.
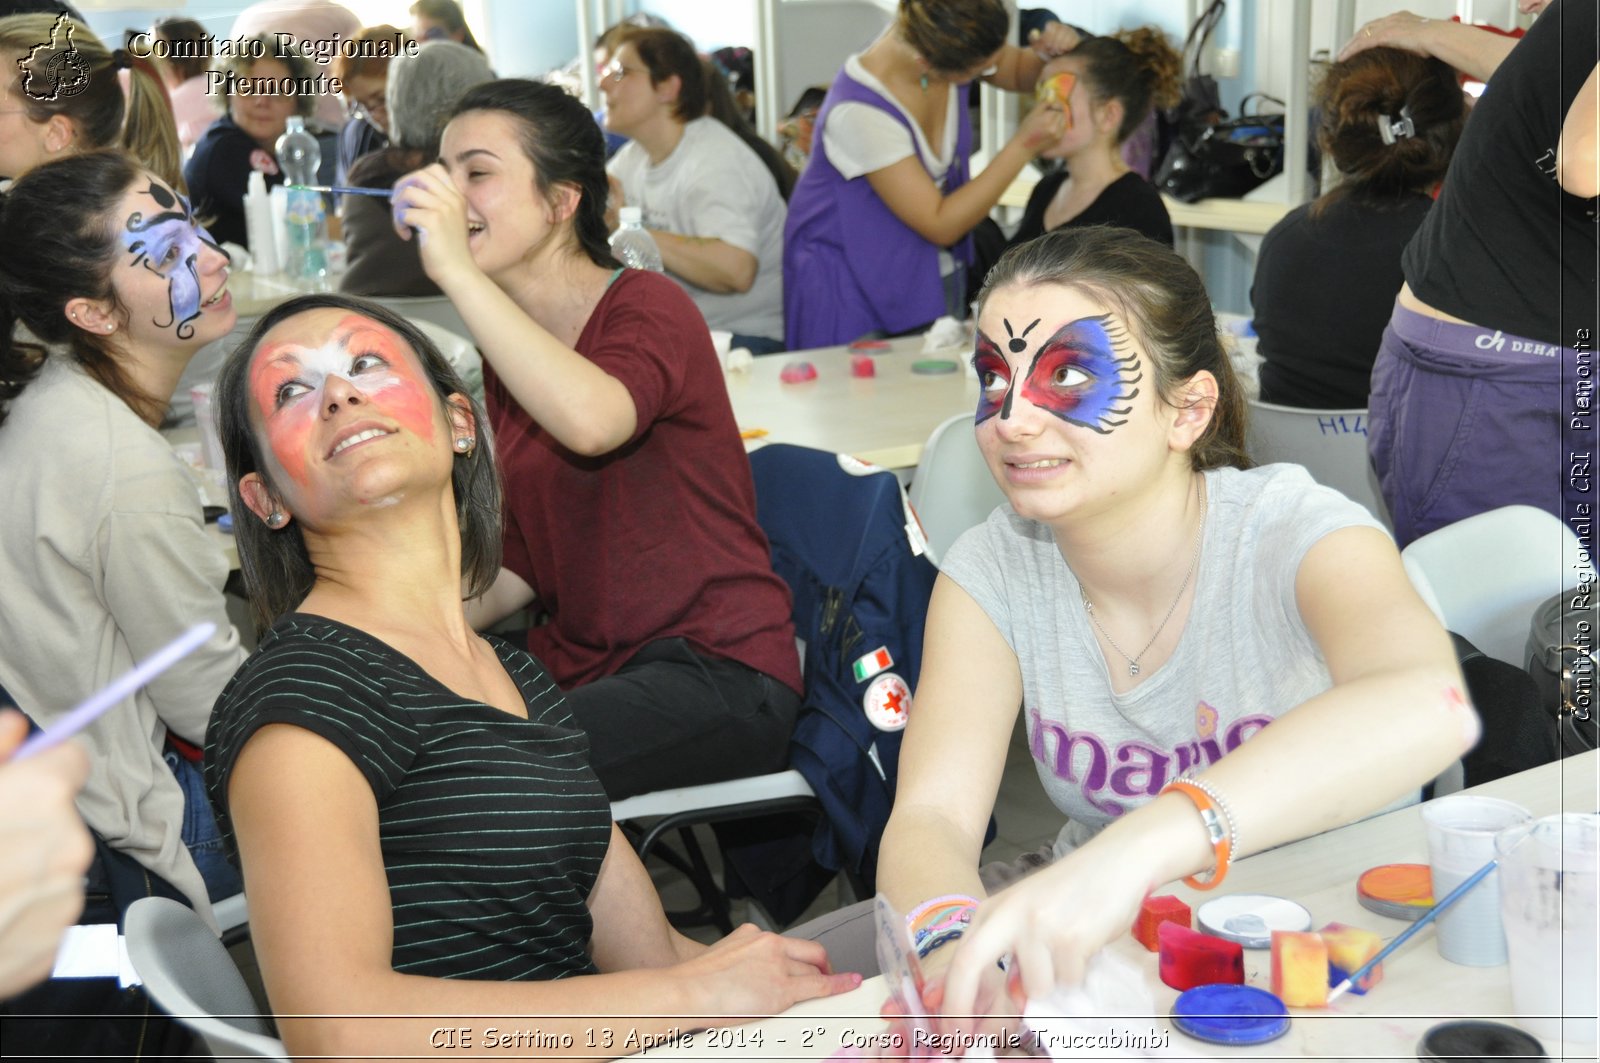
(108, 287)
(1180, 631)
(630, 518)
(478, 871)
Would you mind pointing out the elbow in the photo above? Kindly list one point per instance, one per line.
(596, 441)
(1578, 173)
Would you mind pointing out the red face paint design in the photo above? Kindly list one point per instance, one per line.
(1084, 374)
(369, 368)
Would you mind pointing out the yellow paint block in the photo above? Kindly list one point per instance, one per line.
(1349, 947)
(1299, 969)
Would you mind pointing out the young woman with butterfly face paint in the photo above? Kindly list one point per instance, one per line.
(108, 287)
(1150, 602)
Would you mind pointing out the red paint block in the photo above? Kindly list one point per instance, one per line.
(862, 365)
(797, 372)
(1300, 969)
(1155, 911)
(1350, 947)
(1190, 958)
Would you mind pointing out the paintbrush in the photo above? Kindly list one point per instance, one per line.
(1450, 898)
(97, 703)
(343, 190)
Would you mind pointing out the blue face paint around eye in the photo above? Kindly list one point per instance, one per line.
(1085, 374)
(168, 244)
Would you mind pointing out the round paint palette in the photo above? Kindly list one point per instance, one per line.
(934, 366)
(1250, 918)
(1398, 891)
(1471, 1040)
(1230, 1015)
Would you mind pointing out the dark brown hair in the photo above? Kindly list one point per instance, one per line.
(175, 29)
(448, 14)
(59, 229)
(1165, 302)
(564, 143)
(277, 569)
(142, 122)
(1381, 83)
(953, 35)
(666, 53)
(721, 106)
(346, 67)
(1137, 67)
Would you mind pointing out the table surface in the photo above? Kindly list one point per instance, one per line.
(884, 419)
(1419, 989)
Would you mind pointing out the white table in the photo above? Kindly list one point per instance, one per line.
(1419, 989)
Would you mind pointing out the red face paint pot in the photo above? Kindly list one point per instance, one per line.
(1399, 891)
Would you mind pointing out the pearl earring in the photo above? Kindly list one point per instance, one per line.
(276, 519)
(464, 445)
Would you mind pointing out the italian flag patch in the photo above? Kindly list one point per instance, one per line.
(873, 663)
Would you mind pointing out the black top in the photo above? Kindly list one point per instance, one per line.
(1130, 202)
(493, 828)
(1323, 293)
(218, 174)
(381, 264)
(1506, 247)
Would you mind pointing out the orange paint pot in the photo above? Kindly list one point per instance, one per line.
(1398, 891)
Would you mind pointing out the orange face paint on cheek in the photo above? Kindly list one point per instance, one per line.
(288, 428)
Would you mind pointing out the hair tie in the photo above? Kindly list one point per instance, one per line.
(121, 60)
(1392, 129)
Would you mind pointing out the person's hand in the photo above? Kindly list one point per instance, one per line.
(1402, 29)
(427, 205)
(1050, 923)
(755, 972)
(995, 1020)
(1042, 127)
(614, 202)
(44, 851)
(1057, 38)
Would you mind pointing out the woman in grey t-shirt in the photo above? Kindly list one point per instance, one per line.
(1152, 604)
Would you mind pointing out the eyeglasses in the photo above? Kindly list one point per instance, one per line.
(613, 73)
(363, 109)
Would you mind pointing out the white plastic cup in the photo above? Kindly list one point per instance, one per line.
(723, 342)
(1461, 832)
(1549, 879)
(210, 438)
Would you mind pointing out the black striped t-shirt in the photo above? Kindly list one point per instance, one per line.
(493, 828)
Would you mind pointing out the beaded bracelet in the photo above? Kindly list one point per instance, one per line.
(939, 921)
(1220, 829)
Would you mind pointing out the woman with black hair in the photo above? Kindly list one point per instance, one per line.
(630, 524)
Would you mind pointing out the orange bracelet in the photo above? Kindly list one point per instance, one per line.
(1219, 830)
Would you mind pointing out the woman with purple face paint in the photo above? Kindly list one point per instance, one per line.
(107, 288)
(1158, 610)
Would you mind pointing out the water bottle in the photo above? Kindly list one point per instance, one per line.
(634, 247)
(298, 157)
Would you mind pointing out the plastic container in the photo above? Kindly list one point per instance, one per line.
(1461, 830)
(634, 247)
(305, 258)
(259, 229)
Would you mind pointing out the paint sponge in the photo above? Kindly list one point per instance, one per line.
(1300, 969)
(1156, 911)
(1349, 947)
(1190, 958)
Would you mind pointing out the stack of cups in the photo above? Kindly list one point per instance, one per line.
(1461, 832)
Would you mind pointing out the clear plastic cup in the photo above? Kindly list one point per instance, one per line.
(1549, 880)
(1461, 832)
(210, 438)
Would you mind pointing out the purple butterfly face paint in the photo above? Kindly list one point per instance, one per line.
(1086, 373)
(168, 243)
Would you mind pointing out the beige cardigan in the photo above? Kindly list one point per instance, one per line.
(104, 558)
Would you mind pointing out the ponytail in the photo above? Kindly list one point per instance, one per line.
(149, 132)
(1139, 68)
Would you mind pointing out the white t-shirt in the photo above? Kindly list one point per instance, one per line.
(714, 185)
(1244, 658)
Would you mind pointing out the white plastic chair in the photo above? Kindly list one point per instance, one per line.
(1331, 444)
(189, 973)
(1484, 576)
(952, 489)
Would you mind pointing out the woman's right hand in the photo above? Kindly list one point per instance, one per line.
(756, 972)
(427, 205)
(1041, 128)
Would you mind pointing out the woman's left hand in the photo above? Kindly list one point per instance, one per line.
(1057, 38)
(1049, 924)
(428, 206)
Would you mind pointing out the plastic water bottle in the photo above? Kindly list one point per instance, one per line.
(634, 247)
(298, 157)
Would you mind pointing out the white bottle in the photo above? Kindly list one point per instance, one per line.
(634, 247)
(258, 226)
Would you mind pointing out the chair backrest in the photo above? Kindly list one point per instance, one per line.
(1485, 575)
(1331, 444)
(952, 489)
(189, 973)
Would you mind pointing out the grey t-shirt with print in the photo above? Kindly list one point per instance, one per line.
(1244, 658)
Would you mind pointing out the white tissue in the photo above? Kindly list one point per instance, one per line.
(944, 334)
(1107, 1017)
(739, 360)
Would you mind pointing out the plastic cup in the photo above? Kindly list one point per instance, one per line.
(210, 438)
(722, 341)
(1549, 879)
(1461, 832)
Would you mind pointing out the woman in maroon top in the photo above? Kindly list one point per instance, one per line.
(630, 513)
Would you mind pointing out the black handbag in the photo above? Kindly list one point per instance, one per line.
(1563, 660)
(1224, 160)
(1200, 104)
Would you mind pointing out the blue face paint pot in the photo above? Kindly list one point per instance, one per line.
(1230, 1015)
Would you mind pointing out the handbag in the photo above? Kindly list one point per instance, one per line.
(1562, 658)
(1224, 160)
(1200, 104)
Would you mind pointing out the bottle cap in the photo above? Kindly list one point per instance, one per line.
(631, 215)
